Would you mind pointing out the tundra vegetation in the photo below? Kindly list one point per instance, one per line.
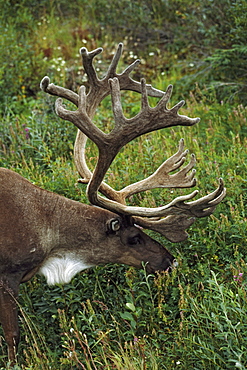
(116, 317)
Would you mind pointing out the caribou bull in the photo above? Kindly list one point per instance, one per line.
(42, 232)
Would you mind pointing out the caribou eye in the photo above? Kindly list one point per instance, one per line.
(134, 240)
(113, 225)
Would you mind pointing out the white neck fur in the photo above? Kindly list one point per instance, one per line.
(61, 269)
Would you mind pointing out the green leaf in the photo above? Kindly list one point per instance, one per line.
(131, 306)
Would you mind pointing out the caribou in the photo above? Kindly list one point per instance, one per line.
(48, 234)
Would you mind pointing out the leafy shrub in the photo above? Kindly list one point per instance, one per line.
(21, 65)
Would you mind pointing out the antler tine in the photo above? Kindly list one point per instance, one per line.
(87, 61)
(144, 95)
(112, 70)
(52, 89)
(131, 67)
(166, 97)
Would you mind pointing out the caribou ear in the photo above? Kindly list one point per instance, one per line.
(113, 225)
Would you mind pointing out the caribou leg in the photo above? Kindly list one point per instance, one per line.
(9, 316)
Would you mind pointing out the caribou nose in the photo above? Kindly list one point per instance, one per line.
(175, 263)
(172, 265)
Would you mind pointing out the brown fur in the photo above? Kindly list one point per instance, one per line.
(37, 225)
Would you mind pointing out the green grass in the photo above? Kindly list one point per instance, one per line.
(117, 317)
